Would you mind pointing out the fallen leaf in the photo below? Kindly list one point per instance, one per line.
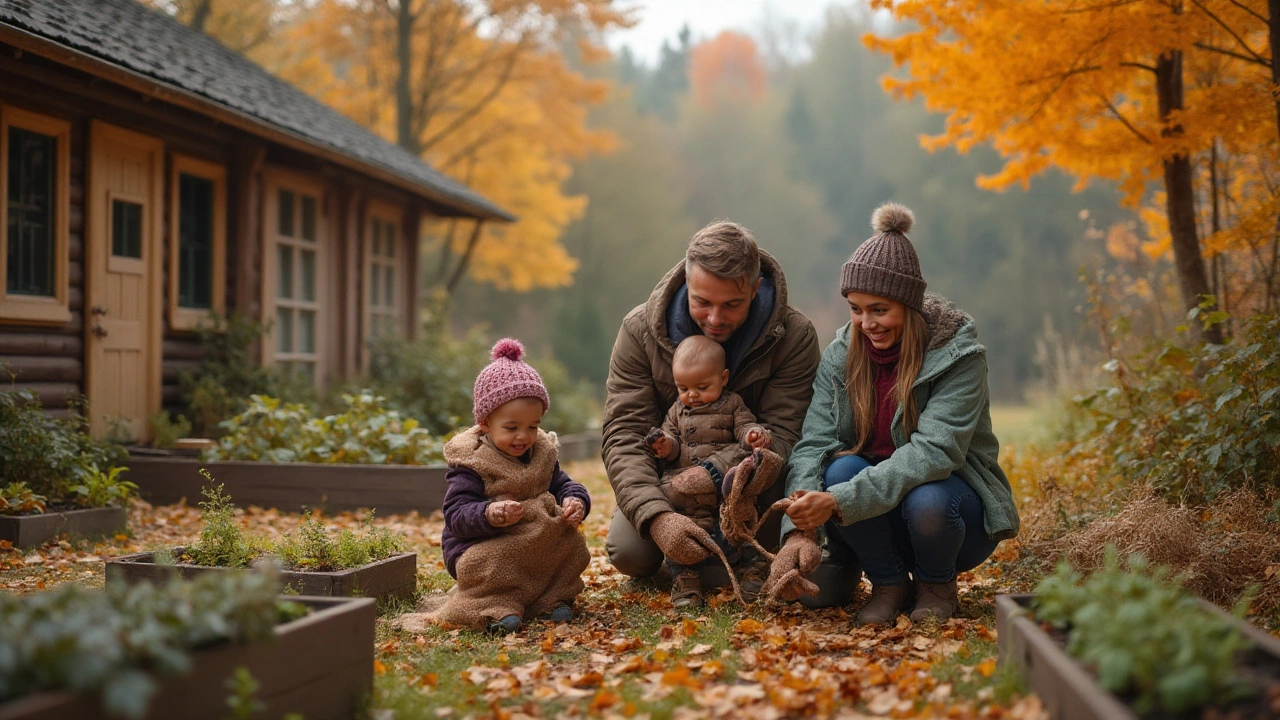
(748, 626)
(688, 628)
(379, 668)
(987, 667)
(700, 649)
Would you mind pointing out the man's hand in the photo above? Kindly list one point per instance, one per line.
(658, 443)
(680, 538)
(504, 513)
(759, 438)
(811, 509)
(800, 553)
(574, 511)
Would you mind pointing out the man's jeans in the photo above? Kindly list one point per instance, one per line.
(935, 532)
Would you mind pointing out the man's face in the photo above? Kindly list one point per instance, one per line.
(717, 305)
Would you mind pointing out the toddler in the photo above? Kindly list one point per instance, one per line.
(707, 421)
(511, 515)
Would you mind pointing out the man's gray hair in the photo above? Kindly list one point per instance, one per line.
(727, 250)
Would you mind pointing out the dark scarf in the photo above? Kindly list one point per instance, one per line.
(680, 324)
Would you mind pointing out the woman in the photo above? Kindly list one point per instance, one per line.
(897, 460)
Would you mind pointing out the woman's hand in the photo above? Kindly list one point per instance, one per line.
(811, 509)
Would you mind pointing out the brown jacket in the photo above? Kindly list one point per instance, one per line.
(775, 380)
(718, 429)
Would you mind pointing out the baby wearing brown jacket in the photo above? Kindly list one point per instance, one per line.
(707, 420)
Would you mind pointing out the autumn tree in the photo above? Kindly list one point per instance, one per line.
(1099, 89)
(242, 25)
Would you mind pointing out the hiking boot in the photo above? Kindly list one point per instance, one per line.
(940, 601)
(885, 604)
(506, 625)
(686, 589)
(752, 579)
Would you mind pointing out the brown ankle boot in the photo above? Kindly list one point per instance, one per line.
(940, 601)
(885, 604)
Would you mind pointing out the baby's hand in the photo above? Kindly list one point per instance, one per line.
(759, 438)
(574, 510)
(657, 443)
(504, 513)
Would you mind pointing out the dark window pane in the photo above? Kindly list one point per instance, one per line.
(284, 280)
(126, 229)
(284, 330)
(377, 236)
(308, 217)
(30, 234)
(391, 240)
(285, 223)
(195, 242)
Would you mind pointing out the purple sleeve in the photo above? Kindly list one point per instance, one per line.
(464, 505)
(562, 487)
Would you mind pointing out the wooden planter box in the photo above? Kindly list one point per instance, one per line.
(320, 666)
(293, 487)
(35, 530)
(395, 576)
(1068, 691)
(580, 446)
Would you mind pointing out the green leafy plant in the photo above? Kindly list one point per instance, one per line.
(48, 454)
(222, 542)
(113, 643)
(100, 489)
(312, 547)
(18, 499)
(1144, 636)
(366, 433)
(166, 430)
(243, 688)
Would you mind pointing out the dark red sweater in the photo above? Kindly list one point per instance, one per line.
(880, 444)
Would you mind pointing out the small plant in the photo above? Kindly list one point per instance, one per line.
(243, 687)
(311, 547)
(166, 431)
(18, 499)
(222, 542)
(48, 454)
(1144, 636)
(100, 489)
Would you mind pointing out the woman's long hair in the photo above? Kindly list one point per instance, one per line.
(860, 378)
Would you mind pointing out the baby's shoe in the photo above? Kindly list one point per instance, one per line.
(686, 589)
(506, 625)
(560, 613)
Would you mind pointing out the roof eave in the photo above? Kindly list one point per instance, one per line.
(35, 44)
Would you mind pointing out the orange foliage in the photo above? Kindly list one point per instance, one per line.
(727, 69)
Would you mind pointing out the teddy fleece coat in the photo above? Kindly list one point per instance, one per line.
(953, 434)
(528, 568)
(774, 378)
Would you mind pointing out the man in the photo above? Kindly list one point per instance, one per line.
(730, 291)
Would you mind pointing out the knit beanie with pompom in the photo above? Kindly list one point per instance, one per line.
(886, 264)
(506, 378)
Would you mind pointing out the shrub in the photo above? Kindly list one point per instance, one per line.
(48, 455)
(18, 499)
(166, 430)
(367, 433)
(110, 643)
(1194, 420)
(222, 542)
(311, 547)
(1144, 635)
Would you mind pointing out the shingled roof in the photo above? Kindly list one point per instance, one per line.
(127, 36)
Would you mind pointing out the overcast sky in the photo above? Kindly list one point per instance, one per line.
(662, 19)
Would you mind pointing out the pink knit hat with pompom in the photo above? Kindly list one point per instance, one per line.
(505, 379)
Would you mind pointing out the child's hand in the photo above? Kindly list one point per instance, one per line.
(574, 511)
(657, 443)
(504, 513)
(759, 438)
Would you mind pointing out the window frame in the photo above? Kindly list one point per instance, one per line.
(184, 318)
(386, 213)
(276, 180)
(36, 309)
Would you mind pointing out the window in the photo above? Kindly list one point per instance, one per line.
(383, 285)
(197, 242)
(294, 279)
(35, 171)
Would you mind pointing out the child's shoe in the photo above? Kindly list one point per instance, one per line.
(506, 625)
(686, 589)
(560, 613)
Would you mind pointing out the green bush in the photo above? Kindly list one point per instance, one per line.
(222, 542)
(1145, 636)
(18, 499)
(167, 430)
(312, 547)
(1193, 420)
(112, 643)
(367, 433)
(49, 455)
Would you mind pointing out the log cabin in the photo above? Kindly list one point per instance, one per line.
(151, 179)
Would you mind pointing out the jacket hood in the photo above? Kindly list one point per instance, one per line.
(656, 309)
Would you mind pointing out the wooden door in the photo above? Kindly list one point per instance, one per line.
(122, 299)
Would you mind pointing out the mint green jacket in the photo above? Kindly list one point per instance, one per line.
(953, 435)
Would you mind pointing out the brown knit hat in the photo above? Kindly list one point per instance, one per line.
(505, 379)
(886, 265)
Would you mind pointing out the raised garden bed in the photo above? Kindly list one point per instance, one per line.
(292, 487)
(1070, 692)
(35, 530)
(392, 577)
(580, 446)
(320, 666)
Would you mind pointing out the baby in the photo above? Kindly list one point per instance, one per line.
(707, 421)
(511, 515)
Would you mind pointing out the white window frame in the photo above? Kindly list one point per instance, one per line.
(274, 181)
(381, 262)
(184, 318)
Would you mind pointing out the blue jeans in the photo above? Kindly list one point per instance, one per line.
(935, 532)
